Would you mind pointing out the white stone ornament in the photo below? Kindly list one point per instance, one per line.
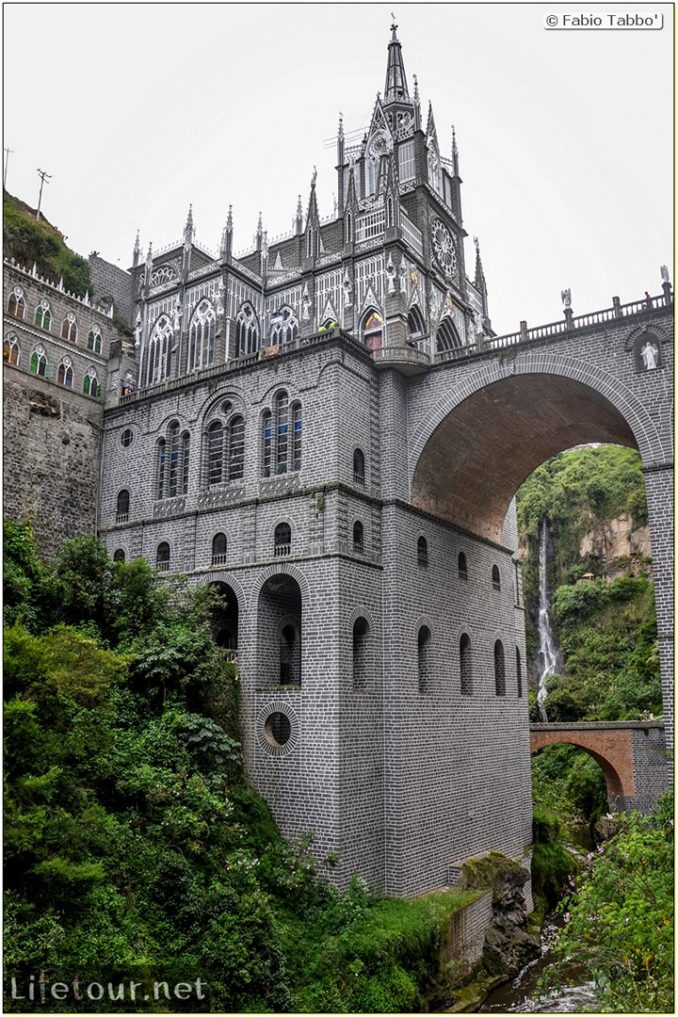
(566, 297)
(650, 355)
(390, 274)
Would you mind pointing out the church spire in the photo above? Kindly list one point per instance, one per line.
(189, 230)
(395, 89)
(227, 236)
(136, 253)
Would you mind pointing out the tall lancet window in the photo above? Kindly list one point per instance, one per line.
(159, 354)
(246, 332)
(309, 243)
(435, 177)
(201, 337)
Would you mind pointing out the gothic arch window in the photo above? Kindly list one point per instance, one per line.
(94, 339)
(159, 357)
(372, 330)
(361, 632)
(43, 315)
(267, 442)
(119, 555)
(416, 326)
(215, 453)
(422, 552)
(496, 578)
(281, 412)
(185, 462)
(499, 669)
(201, 335)
(16, 304)
(359, 466)
(296, 423)
(11, 351)
(519, 673)
(424, 658)
(39, 361)
(447, 337)
(162, 557)
(174, 456)
(358, 538)
(309, 243)
(65, 373)
(69, 328)
(462, 566)
(122, 507)
(465, 666)
(372, 175)
(219, 547)
(389, 211)
(246, 331)
(285, 327)
(173, 462)
(162, 468)
(90, 383)
(348, 235)
(282, 540)
(236, 448)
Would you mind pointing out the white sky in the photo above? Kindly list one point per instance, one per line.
(565, 137)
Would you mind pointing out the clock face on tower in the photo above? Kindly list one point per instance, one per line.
(443, 247)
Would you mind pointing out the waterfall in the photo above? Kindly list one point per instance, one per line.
(548, 655)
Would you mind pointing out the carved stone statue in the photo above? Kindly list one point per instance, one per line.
(650, 355)
(566, 297)
(665, 274)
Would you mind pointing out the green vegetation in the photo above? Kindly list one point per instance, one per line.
(30, 240)
(619, 924)
(135, 851)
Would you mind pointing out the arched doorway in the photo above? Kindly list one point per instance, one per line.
(224, 621)
(279, 631)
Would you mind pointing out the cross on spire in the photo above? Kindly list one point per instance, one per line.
(395, 89)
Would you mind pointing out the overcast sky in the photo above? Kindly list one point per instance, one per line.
(565, 137)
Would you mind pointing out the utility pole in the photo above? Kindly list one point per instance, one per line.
(8, 152)
(42, 175)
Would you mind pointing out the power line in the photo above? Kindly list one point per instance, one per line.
(8, 152)
(43, 176)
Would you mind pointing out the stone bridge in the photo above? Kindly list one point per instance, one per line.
(494, 411)
(631, 754)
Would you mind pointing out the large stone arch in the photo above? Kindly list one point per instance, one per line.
(612, 750)
(479, 441)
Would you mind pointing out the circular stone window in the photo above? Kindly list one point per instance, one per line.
(277, 728)
(126, 438)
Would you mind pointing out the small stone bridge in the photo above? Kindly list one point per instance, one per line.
(631, 754)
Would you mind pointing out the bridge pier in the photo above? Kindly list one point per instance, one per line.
(632, 755)
(659, 494)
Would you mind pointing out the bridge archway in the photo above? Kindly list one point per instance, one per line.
(612, 750)
(478, 443)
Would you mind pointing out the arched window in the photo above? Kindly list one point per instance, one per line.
(69, 328)
(422, 552)
(389, 211)
(43, 315)
(119, 555)
(174, 455)
(496, 578)
(215, 453)
(122, 507)
(447, 337)
(162, 468)
(201, 334)
(297, 423)
(162, 558)
(246, 332)
(465, 666)
(90, 383)
(373, 330)
(348, 234)
(185, 461)
(267, 442)
(424, 658)
(461, 566)
(94, 339)
(65, 373)
(519, 673)
(358, 466)
(159, 353)
(236, 448)
(358, 538)
(284, 327)
(219, 549)
(499, 669)
(416, 326)
(361, 631)
(282, 540)
(281, 405)
(309, 243)
(290, 657)
(16, 304)
(11, 350)
(39, 361)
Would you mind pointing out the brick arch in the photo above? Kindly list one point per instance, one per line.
(224, 576)
(285, 569)
(612, 750)
(479, 442)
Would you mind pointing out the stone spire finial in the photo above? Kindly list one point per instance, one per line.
(189, 230)
(395, 89)
(340, 131)
(314, 178)
(227, 235)
(136, 253)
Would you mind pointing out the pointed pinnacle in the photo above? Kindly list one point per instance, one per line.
(416, 88)
(260, 224)
(341, 126)
(229, 218)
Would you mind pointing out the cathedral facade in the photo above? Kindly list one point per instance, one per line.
(263, 447)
